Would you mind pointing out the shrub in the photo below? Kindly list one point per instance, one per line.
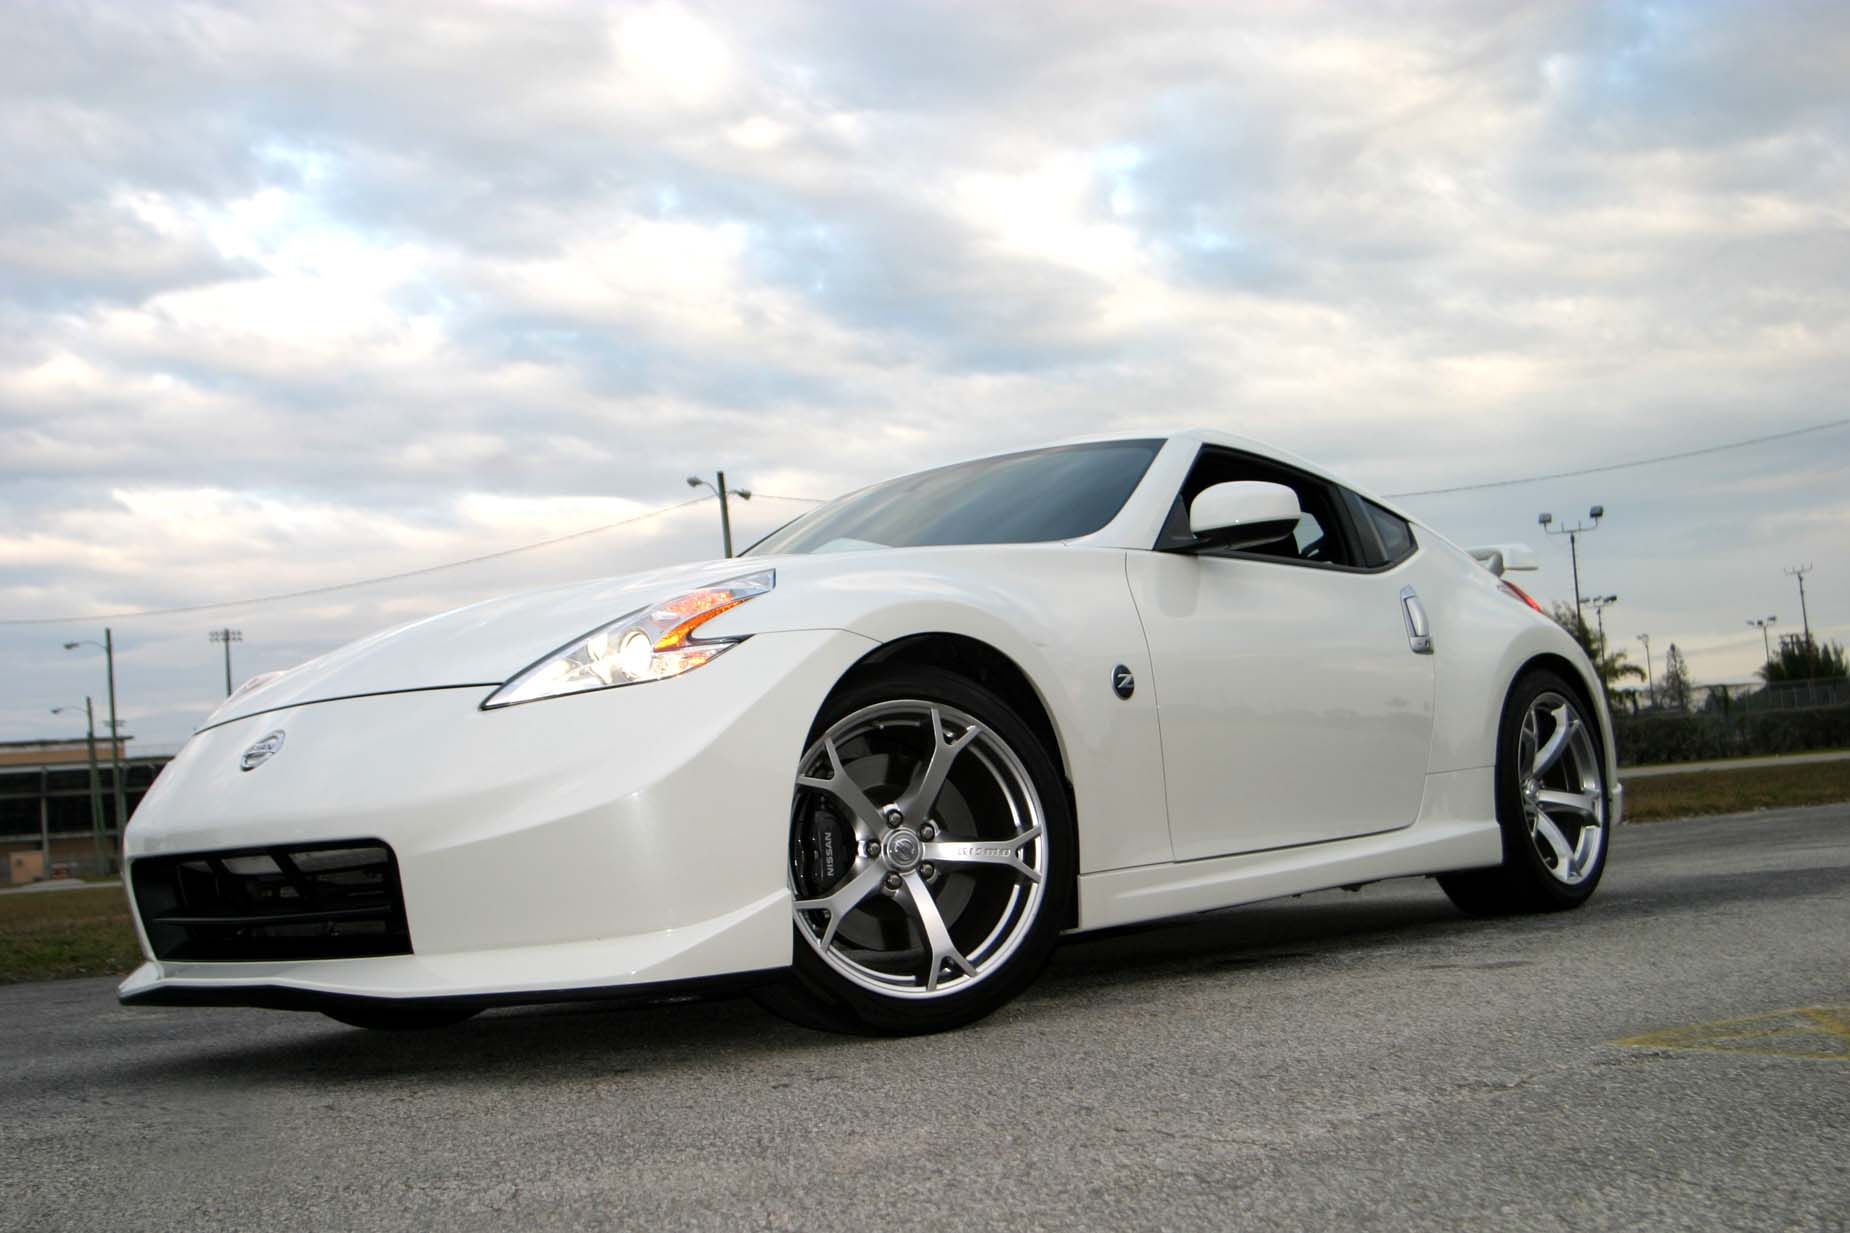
(1647, 739)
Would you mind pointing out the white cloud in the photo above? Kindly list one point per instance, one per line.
(297, 295)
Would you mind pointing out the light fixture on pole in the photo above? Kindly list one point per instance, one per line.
(1599, 604)
(115, 727)
(227, 636)
(96, 792)
(722, 492)
(1573, 534)
(1760, 623)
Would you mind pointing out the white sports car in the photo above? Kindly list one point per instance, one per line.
(873, 769)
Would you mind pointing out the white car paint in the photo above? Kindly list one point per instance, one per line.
(1292, 709)
(638, 835)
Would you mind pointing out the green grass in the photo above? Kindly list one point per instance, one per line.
(1660, 798)
(57, 934)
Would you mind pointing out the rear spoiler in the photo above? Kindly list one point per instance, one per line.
(1501, 559)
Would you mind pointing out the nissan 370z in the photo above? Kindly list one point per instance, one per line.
(876, 767)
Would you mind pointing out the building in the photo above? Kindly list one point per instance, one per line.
(48, 823)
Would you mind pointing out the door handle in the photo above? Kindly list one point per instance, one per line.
(1419, 630)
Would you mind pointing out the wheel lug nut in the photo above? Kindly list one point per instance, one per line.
(873, 847)
(928, 832)
(927, 871)
(892, 881)
(894, 817)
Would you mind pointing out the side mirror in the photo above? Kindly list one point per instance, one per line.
(1247, 514)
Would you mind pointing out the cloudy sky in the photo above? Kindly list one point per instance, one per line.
(297, 295)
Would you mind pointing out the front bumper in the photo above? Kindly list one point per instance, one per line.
(627, 840)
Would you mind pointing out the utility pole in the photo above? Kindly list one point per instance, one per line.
(96, 791)
(1761, 624)
(226, 636)
(1804, 613)
(1650, 682)
(722, 492)
(1573, 534)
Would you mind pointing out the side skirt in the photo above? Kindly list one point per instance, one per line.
(1439, 842)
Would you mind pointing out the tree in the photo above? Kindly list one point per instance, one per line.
(1675, 689)
(1612, 666)
(1802, 659)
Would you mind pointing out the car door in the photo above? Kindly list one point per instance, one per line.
(1294, 698)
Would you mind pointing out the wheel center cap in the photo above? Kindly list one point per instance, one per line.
(901, 849)
(1530, 794)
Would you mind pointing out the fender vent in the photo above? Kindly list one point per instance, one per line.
(321, 901)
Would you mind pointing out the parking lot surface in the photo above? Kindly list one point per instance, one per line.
(1674, 1056)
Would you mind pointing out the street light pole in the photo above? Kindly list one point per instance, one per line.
(1765, 643)
(115, 727)
(722, 492)
(226, 636)
(1573, 534)
(115, 735)
(96, 792)
(1599, 604)
(1650, 682)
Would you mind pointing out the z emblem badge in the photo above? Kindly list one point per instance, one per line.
(261, 752)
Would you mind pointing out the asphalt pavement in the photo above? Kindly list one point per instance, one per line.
(1367, 1060)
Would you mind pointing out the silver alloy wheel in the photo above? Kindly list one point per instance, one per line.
(1562, 783)
(950, 849)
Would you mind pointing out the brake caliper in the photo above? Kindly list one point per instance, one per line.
(825, 850)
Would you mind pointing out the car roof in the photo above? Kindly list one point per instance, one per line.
(1228, 440)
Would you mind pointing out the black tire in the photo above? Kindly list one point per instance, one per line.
(1527, 880)
(384, 1017)
(832, 994)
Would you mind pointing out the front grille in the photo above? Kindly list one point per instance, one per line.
(320, 901)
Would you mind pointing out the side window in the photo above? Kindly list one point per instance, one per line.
(1320, 538)
(1396, 536)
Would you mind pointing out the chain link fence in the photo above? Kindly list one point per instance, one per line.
(1731, 720)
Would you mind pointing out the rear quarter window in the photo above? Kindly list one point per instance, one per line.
(1395, 533)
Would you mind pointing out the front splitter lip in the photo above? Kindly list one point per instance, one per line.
(742, 944)
(296, 997)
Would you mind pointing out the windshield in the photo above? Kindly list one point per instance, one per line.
(1033, 497)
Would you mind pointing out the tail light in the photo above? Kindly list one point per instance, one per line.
(1521, 594)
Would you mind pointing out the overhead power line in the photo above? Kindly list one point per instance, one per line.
(310, 592)
(1620, 466)
(358, 582)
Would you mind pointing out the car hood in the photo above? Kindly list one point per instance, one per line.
(483, 644)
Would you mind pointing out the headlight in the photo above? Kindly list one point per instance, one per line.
(650, 644)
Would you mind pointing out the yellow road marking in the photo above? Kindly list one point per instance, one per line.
(1818, 1032)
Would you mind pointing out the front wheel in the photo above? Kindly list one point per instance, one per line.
(1552, 803)
(931, 858)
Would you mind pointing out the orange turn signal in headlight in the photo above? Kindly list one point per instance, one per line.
(694, 610)
(651, 644)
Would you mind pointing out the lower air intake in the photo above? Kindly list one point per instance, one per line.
(321, 901)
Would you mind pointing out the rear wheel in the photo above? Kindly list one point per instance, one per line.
(1552, 803)
(931, 858)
